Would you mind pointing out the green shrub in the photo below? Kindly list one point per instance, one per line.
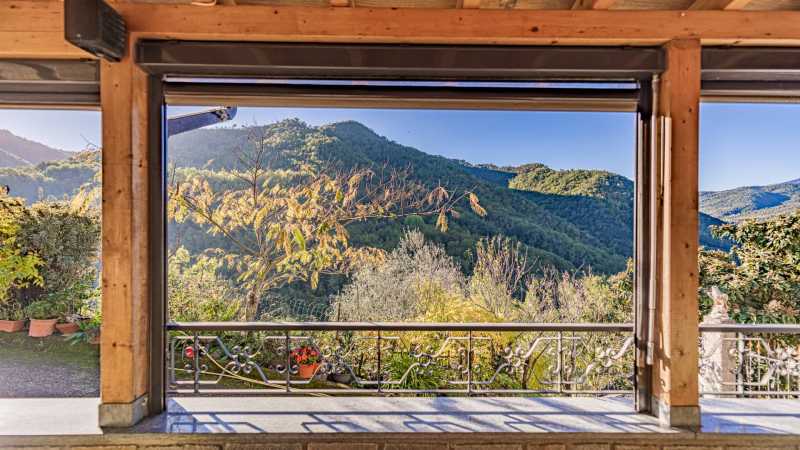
(197, 292)
(42, 310)
(67, 239)
(17, 268)
(88, 331)
(11, 310)
(416, 377)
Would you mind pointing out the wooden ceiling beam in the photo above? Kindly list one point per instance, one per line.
(729, 5)
(459, 26)
(35, 29)
(593, 4)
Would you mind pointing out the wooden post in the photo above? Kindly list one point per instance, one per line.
(675, 366)
(124, 348)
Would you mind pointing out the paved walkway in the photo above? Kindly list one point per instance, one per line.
(38, 416)
(47, 367)
(308, 415)
(404, 414)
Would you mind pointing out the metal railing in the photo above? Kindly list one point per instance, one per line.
(335, 358)
(743, 360)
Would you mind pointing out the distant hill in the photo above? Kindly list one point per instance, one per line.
(551, 238)
(752, 202)
(571, 219)
(16, 151)
(52, 179)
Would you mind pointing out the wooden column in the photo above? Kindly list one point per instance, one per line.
(124, 360)
(675, 365)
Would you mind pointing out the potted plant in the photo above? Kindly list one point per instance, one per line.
(44, 316)
(12, 318)
(71, 325)
(71, 300)
(307, 359)
(88, 331)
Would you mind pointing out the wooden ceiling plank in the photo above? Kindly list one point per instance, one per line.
(593, 4)
(35, 29)
(719, 4)
(464, 26)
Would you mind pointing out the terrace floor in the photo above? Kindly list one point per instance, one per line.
(313, 415)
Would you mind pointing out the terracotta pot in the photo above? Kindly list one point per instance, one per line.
(42, 328)
(307, 370)
(12, 326)
(67, 328)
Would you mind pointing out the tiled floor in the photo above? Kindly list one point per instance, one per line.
(777, 416)
(393, 415)
(36, 416)
(406, 414)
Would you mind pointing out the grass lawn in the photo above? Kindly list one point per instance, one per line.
(47, 367)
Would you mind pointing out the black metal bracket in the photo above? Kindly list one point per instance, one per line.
(397, 62)
(94, 26)
(193, 121)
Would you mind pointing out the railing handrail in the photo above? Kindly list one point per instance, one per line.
(749, 328)
(451, 326)
(396, 326)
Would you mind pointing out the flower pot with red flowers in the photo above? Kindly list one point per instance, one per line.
(43, 315)
(12, 318)
(307, 359)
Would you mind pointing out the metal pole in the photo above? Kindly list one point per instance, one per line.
(380, 367)
(288, 363)
(469, 363)
(560, 378)
(196, 348)
(740, 364)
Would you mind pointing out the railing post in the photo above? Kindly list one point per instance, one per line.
(288, 362)
(196, 360)
(560, 350)
(740, 378)
(469, 363)
(380, 366)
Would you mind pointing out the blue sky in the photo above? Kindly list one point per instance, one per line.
(741, 144)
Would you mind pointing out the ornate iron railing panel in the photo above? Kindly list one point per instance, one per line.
(750, 360)
(400, 358)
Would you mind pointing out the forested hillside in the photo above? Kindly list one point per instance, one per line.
(58, 179)
(552, 239)
(752, 202)
(572, 219)
(16, 151)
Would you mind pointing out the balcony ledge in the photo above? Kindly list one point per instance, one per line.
(450, 421)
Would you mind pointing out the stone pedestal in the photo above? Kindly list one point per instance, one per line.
(718, 350)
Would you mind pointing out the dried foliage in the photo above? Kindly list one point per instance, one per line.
(287, 217)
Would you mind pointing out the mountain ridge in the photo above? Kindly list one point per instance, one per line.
(17, 151)
(752, 202)
(571, 219)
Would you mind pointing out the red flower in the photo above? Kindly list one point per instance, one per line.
(305, 355)
(189, 352)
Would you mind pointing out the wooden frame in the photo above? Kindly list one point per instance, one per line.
(639, 100)
(34, 29)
